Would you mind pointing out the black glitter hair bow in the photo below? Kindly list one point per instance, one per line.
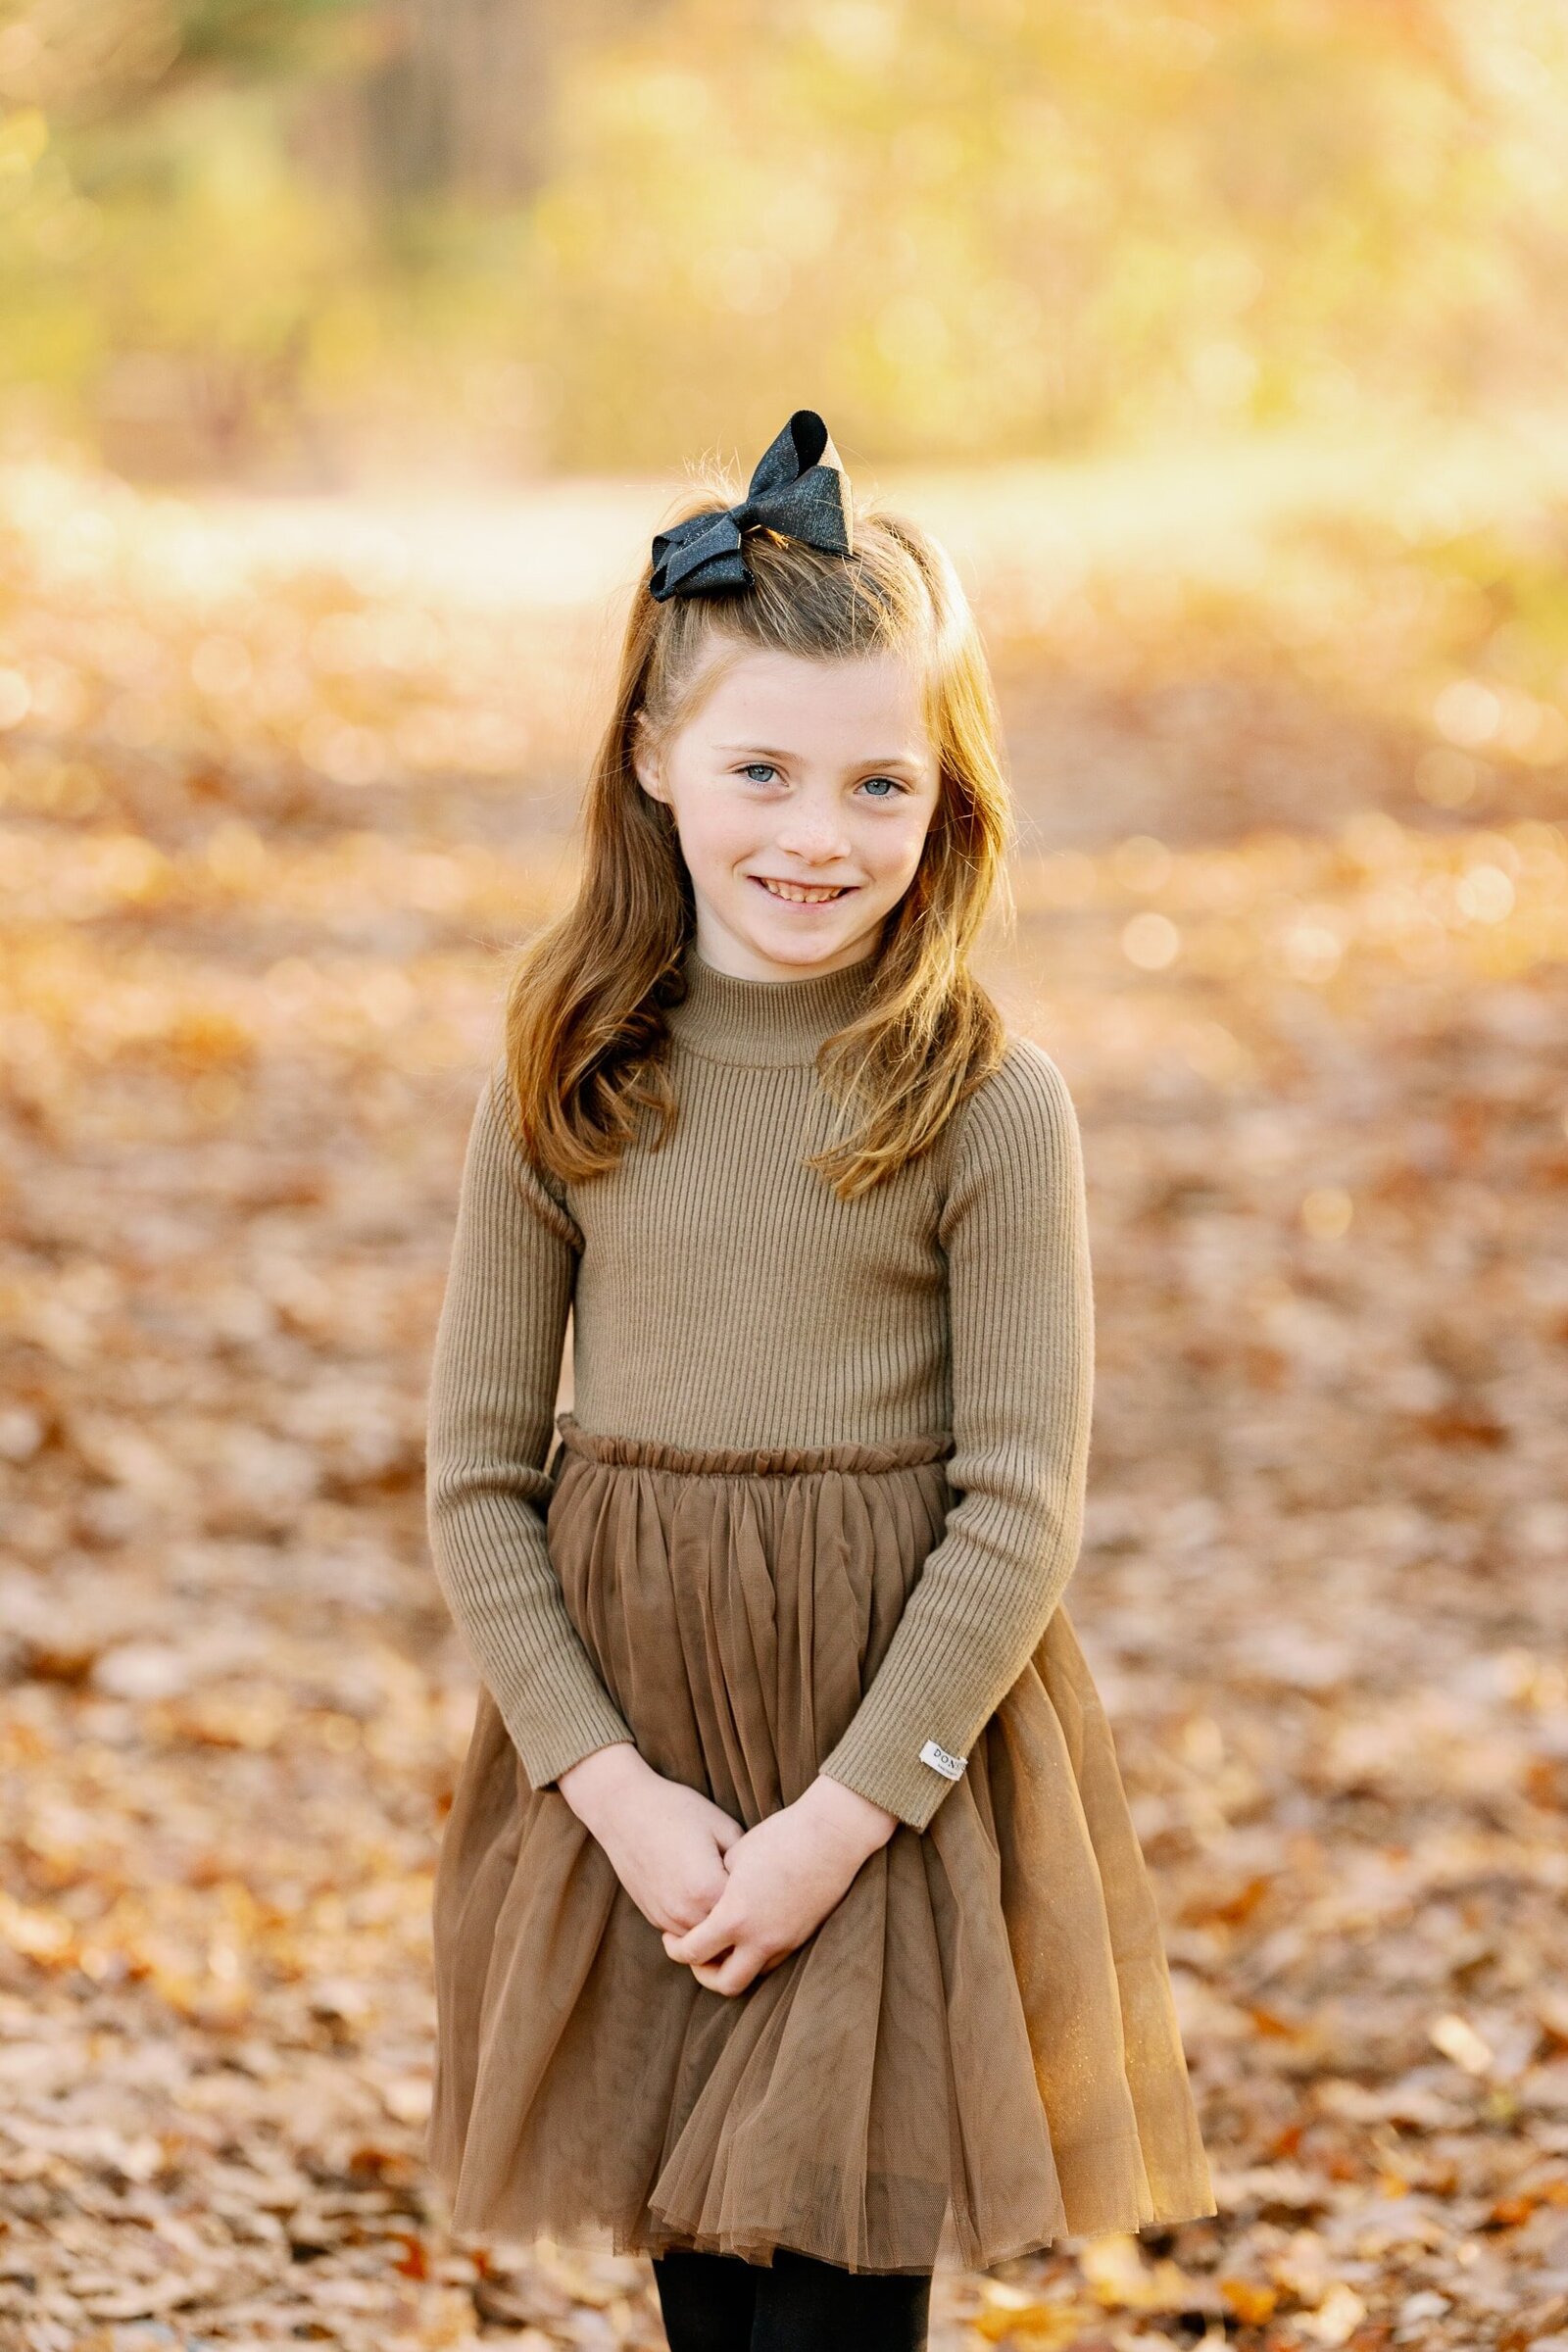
(799, 489)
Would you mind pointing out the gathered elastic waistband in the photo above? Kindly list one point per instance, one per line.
(747, 1461)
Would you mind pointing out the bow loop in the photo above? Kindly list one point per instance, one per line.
(798, 489)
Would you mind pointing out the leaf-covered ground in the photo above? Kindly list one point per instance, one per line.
(1293, 914)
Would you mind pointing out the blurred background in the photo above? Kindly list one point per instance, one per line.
(350, 351)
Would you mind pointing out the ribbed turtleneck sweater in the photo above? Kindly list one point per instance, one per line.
(719, 1293)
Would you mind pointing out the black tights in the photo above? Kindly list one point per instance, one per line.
(720, 2303)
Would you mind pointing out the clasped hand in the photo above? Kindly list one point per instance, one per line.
(730, 1904)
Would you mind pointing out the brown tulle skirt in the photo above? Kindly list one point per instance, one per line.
(976, 2053)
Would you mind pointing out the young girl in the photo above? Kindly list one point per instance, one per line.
(789, 1923)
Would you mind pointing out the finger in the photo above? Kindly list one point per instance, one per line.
(731, 1973)
(687, 1926)
(725, 1975)
(709, 1938)
(739, 1970)
(676, 1937)
(692, 1913)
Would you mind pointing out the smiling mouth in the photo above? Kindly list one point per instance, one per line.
(804, 894)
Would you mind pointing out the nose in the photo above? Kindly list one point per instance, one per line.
(817, 834)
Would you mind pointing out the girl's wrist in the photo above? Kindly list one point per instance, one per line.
(602, 1777)
(847, 1814)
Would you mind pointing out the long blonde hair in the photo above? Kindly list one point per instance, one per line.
(585, 1027)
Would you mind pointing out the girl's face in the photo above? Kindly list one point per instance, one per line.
(802, 792)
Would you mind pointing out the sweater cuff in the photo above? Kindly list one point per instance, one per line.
(577, 1727)
(907, 1780)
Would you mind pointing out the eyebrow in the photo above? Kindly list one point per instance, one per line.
(762, 750)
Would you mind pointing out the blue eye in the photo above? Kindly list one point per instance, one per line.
(763, 771)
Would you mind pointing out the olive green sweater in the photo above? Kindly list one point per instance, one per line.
(721, 1295)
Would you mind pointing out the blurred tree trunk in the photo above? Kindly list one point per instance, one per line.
(456, 97)
(462, 100)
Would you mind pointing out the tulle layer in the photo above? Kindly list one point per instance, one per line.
(975, 2054)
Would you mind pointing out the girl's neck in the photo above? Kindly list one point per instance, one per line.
(769, 1023)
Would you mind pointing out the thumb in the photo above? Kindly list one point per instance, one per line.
(709, 1937)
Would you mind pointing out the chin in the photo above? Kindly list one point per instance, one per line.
(805, 952)
(791, 936)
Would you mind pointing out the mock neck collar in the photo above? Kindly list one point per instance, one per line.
(768, 1023)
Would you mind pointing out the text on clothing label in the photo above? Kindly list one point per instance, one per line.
(952, 1766)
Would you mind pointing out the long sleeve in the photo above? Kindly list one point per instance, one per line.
(1014, 1230)
(492, 1400)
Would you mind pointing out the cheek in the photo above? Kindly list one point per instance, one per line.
(898, 842)
(717, 830)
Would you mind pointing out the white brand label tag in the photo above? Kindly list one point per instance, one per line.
(950, 1766)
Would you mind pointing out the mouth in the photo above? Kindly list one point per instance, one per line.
(803, 893)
